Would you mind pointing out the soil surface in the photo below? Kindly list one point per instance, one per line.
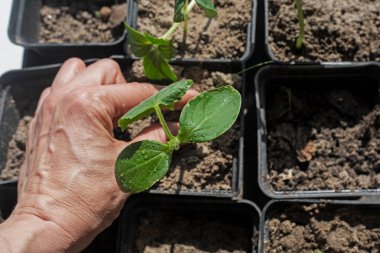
(162, 232)
(323, 228)
(81, 21)
(201, 166)
(322, 139)
(16, 150)
(335, 30)
(223, 37)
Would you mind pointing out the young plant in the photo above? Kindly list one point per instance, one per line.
(301, 24)
(140, 165)
(157, 51)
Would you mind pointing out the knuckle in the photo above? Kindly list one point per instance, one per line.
(109, 65)
(74, 61)
(49, 104)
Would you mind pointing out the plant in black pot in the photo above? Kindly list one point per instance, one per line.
(157, 51)
(334, 31)
(213, 31)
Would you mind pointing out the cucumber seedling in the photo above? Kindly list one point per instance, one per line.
(157, 51)
(301, 23)
(140, 165)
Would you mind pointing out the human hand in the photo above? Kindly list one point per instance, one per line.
(67, 186)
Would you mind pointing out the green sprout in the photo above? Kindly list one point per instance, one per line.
(301, 24)
(157, 51)
(140, 165)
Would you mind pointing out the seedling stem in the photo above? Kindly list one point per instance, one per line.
(169, 33)
(163, 122)
(301, 24)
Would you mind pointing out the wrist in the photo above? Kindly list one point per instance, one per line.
(28, 233)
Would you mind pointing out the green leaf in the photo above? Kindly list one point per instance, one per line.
(178, 7)
(140, 165)
(138, 42)
(156, 53)
(165, 98)
(208, 7)
(156, 65)
(209, 115)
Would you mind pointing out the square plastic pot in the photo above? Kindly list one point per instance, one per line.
(190, 211)
(276, 207)
(23, 30)
(362, 79)
(250, 43)
(238, 162)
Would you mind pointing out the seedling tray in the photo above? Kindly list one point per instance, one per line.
(23, 30)
(250, 43)
(362, 80)
(190, 211)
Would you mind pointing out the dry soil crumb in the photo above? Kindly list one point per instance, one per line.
(223, 37)
(16, 150)
(335, 30)
(162, 232)
(79, 22)
(330, 229)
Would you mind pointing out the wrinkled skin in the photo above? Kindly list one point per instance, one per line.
(67, 188)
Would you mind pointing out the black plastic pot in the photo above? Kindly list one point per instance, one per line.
(238, 163)
(23, 30)
(189, 210)
(250, 43)
(276, 207)
(8, 199)
(363, 80)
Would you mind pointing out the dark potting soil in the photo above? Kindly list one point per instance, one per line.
(161, 232)
(335, 30)
(323, 228)
(322, 139)
(200, 166)
(16, 150)
(81, 21)
(223, 37)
